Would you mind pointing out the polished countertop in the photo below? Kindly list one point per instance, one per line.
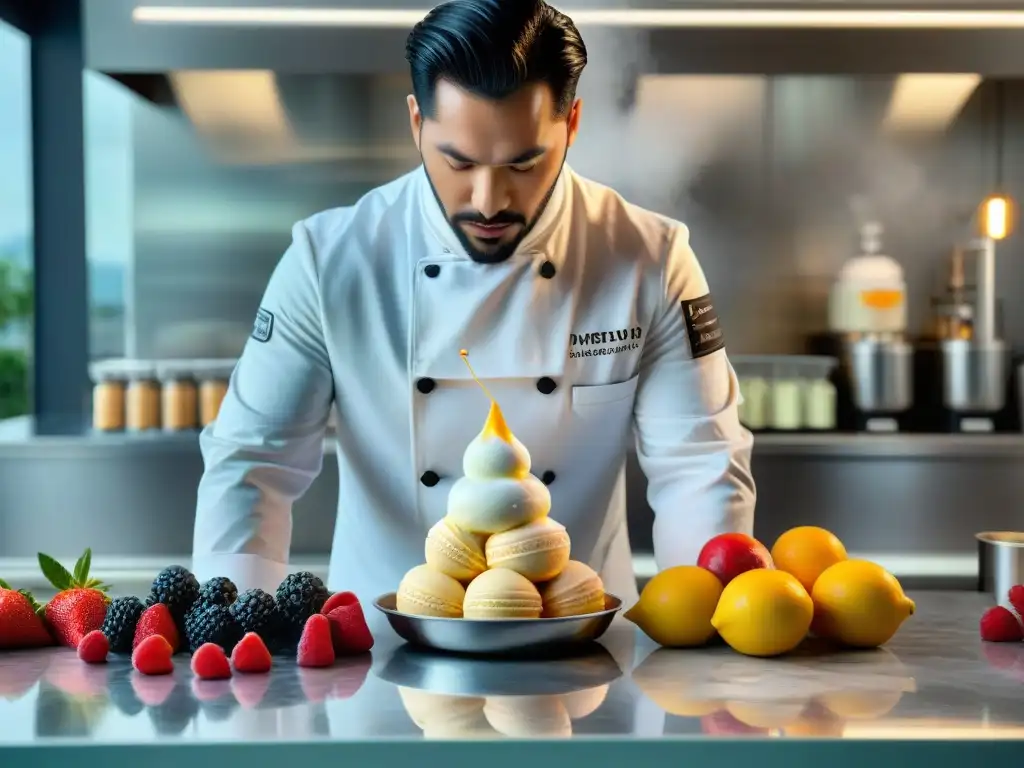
(935, 689)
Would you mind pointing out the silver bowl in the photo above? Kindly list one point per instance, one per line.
(454, 675)
(502, 637)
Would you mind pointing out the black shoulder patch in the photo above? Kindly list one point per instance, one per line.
(702, 326)
(263, 326)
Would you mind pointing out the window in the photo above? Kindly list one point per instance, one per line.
(15, 224)
(108, 209)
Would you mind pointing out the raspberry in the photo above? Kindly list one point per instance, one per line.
(999, 625)
(94, 647)
(337, 600)
(1016, 597)
(349, 632)
(152, 656)
(209, 662)
(251, 655)
(315, 646)
(157, 620)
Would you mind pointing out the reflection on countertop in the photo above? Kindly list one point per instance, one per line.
(935, 681)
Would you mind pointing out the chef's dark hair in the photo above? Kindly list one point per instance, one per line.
(492, 48)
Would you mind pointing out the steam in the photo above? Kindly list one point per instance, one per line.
(652, 137)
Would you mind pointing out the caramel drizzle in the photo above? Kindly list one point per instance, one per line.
(495, 425)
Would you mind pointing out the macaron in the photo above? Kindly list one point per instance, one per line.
(502, 594)
(538, 550)
(455, 552)
(424, 591)
(575, 591)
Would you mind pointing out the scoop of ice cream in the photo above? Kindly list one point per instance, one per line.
(497, 491)
(538, 550)
(577, 590)
(455, 552)
(424, 591)
(501, 594)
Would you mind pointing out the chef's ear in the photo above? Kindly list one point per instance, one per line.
(574, 120)
(415, 119)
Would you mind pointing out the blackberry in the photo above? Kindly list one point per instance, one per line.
(299, 596)
(256, 611)
(176, 588)
(119, 625)
(218, 591)
(212, 624)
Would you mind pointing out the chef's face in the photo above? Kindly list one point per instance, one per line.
(493, 164)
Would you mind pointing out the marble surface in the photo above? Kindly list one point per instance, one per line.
(935, 681)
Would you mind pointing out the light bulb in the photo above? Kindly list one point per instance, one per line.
(996, 217)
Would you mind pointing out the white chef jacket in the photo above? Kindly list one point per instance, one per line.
(597, 331)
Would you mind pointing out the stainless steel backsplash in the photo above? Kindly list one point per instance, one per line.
(762, 169)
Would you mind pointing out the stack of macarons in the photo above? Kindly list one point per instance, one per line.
(497, 554)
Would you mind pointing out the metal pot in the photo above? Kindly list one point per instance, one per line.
(1000, 563)
(881, 374)
(974, 375)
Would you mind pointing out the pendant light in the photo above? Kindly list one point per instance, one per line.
(996, 214)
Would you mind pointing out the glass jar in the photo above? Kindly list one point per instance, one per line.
(820, 405)
(178, 396)
(213, 377)
(786, 413)
(108, 396)
(142, 402)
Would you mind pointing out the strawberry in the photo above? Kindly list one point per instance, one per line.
(80, 604)
(94, 648)
(153, 656)
(349, 631)
(315, 646)
(209, 662)
(999, 625)
(20, 623)
(1016, 597)
(251, 655)
(337, 600)
(157, 620)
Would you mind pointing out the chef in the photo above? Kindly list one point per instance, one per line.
(589, 319)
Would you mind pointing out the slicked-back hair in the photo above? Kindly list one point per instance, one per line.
(492, 48)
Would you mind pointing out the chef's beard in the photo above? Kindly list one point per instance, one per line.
(505, 250)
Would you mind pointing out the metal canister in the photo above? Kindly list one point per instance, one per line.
(1000, 563)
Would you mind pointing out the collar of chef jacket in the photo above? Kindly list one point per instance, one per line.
(544, 238)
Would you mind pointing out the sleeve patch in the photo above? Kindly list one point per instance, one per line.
(702, 326)
(263, 326)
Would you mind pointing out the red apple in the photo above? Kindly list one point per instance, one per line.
(730, 554)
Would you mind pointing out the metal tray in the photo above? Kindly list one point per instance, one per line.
(591, 666)
(499, 637)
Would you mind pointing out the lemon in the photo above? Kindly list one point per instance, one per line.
(676, 606)
(859, 604)
(763, 613)
(806, 551)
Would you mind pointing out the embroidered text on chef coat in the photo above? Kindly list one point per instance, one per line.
(597, 343)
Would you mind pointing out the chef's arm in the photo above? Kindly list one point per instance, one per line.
(690, 443)
(266, 446)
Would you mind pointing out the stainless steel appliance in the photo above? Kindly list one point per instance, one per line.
(975, 367)
(879, 374)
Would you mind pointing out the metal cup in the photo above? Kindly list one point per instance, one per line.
(1000, 563)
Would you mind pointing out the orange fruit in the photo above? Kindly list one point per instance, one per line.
(806, 552)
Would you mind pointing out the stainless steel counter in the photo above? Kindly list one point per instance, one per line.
(936, 681)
